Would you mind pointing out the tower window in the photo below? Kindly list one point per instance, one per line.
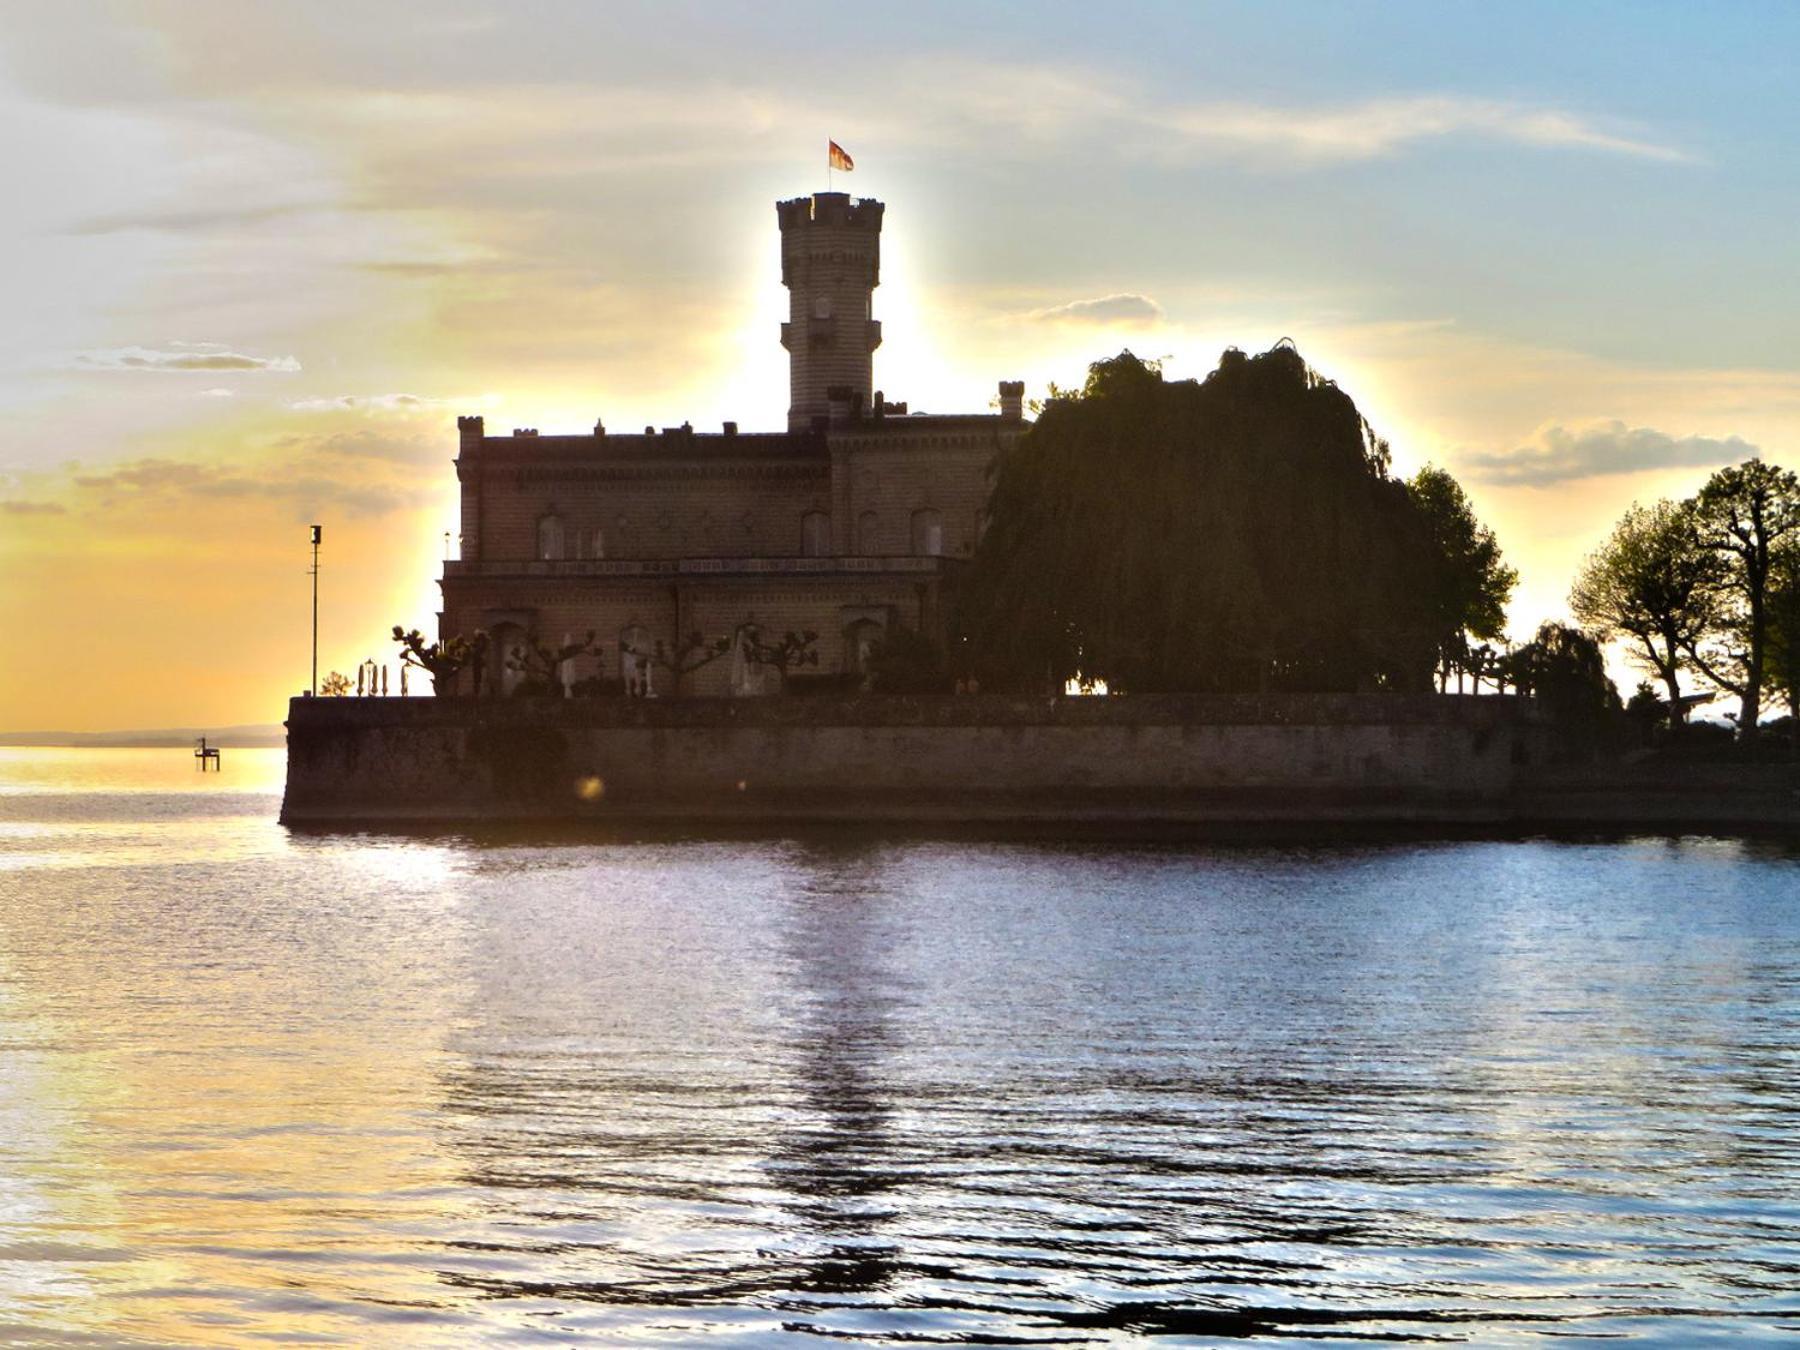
(549, 539)
(822, 307)
(815, 535)
(927, 533)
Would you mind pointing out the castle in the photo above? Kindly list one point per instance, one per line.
(851, 524)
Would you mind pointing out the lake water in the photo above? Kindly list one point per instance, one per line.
(391, 1090)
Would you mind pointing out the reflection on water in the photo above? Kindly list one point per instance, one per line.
(416, 1090)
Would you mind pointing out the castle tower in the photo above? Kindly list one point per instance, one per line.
(831, 264)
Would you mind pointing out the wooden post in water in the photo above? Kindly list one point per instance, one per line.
(205, 754)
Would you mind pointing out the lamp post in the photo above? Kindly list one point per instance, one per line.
(316, 532)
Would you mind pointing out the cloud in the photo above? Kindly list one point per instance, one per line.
(311, 488)
(369, 444)
(1127, 307)
(1561, 454)
(1048, 107)
(1376, 128)
(18, 508)
(185, 358)
(384, 403)
(148, 475)
(196, 221)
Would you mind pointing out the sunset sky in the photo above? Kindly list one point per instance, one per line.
(258, 257)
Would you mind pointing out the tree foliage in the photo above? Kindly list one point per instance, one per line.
(1746, 517)
(1241, 532)
(1466, 584)
(907, 662)
(1564, 670)
(1783, 651)
(1652, 583)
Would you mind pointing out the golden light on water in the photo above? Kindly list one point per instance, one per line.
(1079, 685)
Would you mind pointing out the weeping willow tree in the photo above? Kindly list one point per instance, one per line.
(1238, 533)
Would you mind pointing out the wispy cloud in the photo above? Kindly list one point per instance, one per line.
(311, 488)
(367, 403)
(368, 443)
(22, 508)
(1381, 127)
(196, 221)
(539, 142)
(1124, 308)
(392, 403)
(1560, 454)
(1047, 108)
(179, 358)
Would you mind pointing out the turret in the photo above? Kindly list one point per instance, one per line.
(831, 264)
(469, 432)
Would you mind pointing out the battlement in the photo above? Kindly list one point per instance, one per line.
(830, 209)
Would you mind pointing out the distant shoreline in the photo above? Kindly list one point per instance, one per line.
(263, 736)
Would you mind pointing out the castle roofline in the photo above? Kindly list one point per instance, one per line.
(905, 420)
(684, 441)
(673, 443)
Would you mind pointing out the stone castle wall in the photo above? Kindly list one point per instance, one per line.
(947, 759)
(662, 503)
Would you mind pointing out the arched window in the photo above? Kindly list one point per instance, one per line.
(550, 538)
(868, 534)
(822, 307)
(504, 644)
(635, 668)
(927, 533)
(597, 545)
(861, 639)
(815, 535)
(750, 679)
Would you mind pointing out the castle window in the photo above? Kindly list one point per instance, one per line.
(868, 534)
(927, 533)
(822, 307)
(635, 668)
(550, 539)
(815, 535)
(597, 548)
(861, 641)
(749, 679)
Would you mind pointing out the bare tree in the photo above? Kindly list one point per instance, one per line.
(442, 660)
(793, 649)
(687, 655)
(540, 663)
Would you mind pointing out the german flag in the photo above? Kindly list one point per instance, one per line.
(836, 158)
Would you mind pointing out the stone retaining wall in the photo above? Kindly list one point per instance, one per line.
(1144, 759)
